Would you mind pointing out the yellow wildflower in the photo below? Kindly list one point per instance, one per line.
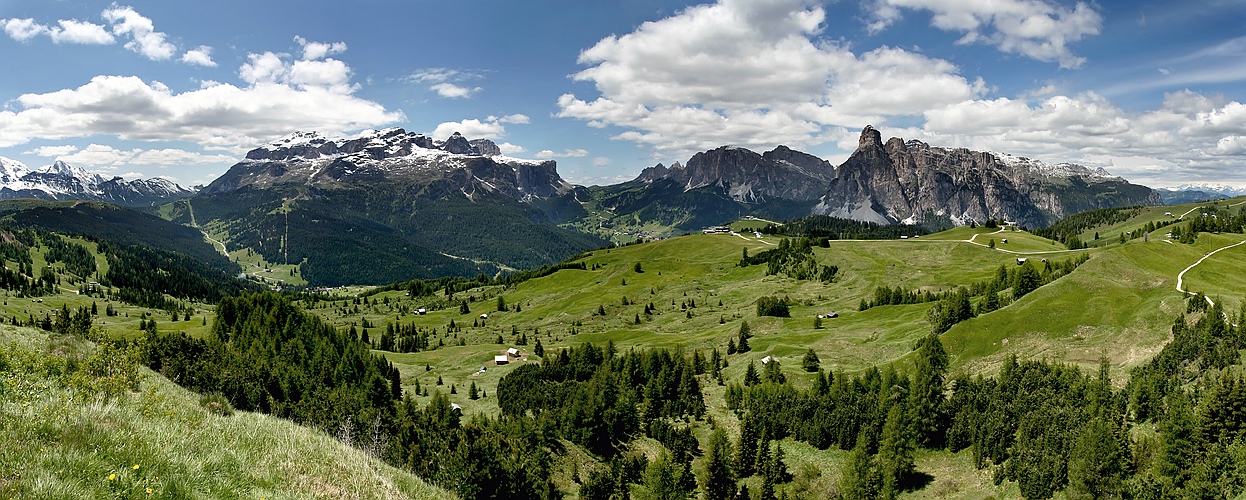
(135, 466)
(112, 477)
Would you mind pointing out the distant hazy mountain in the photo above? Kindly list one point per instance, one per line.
(1177, 196)
(393, 205)
(61, 181)
(1199, 191)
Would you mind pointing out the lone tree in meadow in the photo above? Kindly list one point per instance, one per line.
(811, 362)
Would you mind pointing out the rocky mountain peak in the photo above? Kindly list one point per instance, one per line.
(485, 147)
(870, 137)
(458, 145)
(912, 182)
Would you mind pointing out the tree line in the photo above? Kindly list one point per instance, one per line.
(793, 258)
(835, 228)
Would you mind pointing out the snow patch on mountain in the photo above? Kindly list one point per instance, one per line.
(62, 181)
(1211, 187)
(1042, 168)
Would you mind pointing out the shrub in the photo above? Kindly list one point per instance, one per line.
(112, 369)
(773, 306)
(216, 404)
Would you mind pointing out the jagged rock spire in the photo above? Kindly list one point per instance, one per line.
(870, 137)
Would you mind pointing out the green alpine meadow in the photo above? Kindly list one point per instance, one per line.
(623, 250)
(1098, 357)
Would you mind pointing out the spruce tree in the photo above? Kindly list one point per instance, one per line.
(472, 392)
(1096, 461)
(719, 482)
(750, 375)
(895, 452)
(746, 447)
(810, 362)
(860, 479)
(925, 399)
(1179, 438)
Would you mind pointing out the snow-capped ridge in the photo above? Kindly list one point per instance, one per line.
(62, 181)
(1042, 168)
(1211, 187)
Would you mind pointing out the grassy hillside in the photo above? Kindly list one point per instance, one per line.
(1119, 304)
(159, 441)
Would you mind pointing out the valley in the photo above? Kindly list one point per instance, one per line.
(1105, 307)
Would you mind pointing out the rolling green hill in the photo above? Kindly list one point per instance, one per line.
(110, 222)
(692, 295)
(63, 440)
(1119, 306)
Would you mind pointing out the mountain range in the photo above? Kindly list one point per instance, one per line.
(898, 181)
(61, 181)
(391, 204)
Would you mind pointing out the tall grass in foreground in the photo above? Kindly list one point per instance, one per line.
(59, 438)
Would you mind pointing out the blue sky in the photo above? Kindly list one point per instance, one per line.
(1151, 90)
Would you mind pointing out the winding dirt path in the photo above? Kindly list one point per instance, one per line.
(1181, 275)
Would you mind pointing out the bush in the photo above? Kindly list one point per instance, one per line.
(773, 306)
(112, 369)
(216, 404)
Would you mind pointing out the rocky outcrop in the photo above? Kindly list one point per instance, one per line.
(914, 182)
(750, 177)
(485, 147)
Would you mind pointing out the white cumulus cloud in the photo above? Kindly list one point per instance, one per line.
(274, 68)
(82, 32)
(319, 50)
(450, 90)
(23, 29)
(200, 56)
(446, 82)
(66, 31)
(144, 39)
(52, 151)
(566, 153)
(752, 73)
(1038, 29)
(218, 115)
(510, 149)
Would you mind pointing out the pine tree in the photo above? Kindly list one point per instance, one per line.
(472, 392)
(810, 362)
(719, 483)
(1096, 461)
(773, 373)
(895, 452)
(1179, 439)
(501, 304)
(750, 375)
(746, 447)
(926, 399)
(860, 479)
(538, 349)
(742, 345)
